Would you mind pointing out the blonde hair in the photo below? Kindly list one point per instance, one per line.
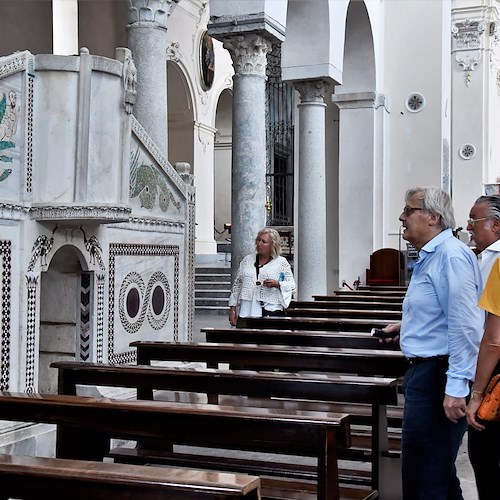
(275, 240)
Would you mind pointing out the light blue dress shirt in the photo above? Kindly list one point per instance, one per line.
(440, 313)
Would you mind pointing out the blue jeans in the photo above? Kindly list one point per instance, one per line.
(430, 441)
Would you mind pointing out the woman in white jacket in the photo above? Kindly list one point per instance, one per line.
(264, 284)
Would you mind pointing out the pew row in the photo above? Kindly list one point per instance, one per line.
(345, 304)
(86, 425)
(310, 338)
(323, 324)
(322, 312)
(369, 393)
(285, 358)
(32, 478)
(360, 297)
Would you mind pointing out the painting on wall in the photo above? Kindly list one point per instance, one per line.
(207, 61)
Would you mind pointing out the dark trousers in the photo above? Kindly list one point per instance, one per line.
(484, 455)
(430, 441)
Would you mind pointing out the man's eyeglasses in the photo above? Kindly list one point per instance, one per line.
(471, 222)
(409, 210)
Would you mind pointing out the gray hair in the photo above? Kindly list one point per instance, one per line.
(493, 202)
(435, 201)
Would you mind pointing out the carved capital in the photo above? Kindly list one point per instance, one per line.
(249, 53)
(312, 90)
(151, 11)
(468, 42)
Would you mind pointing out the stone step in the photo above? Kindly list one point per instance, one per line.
(216, 310)
(211, 293)
(212, 301)
(224, 278)
(210, 285)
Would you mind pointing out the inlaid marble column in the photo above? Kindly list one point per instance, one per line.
(147, 39)
(248, 216)
(310, 239)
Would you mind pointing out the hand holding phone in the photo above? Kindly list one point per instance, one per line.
(381, 334)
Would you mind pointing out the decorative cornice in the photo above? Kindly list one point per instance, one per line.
(360, 100)
(9, 211)
(14, 63)
(70, 213)
(152, 224)
(156, 12)
(249, 53)
(312, 90)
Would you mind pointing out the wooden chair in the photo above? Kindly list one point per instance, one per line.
(386, 268)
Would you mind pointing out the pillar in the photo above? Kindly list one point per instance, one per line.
(310, 239)
(147, 39)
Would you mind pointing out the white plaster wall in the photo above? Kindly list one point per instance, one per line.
(415, 139)
(276, 9)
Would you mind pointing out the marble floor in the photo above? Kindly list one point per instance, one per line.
(463, 465)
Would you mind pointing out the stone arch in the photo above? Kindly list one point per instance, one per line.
(222, 164)
(66, 298)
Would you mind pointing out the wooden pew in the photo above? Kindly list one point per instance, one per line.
(310, 338)
(32, 478)
(285, 358)
(376, 393)
(380, 293)
(85, 427)
(383, 288)
(359, 297)
(344, 304)
(302, 323)
(322, 312)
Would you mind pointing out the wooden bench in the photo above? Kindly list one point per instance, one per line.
(322, 312)
(344, 304)
(40, 477)
(86, 425)
(359, 297)
(372, 395)
(310, 338)
(285, 358)
(379, 293)
(307, 323)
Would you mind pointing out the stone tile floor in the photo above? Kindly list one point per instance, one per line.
(464, 468)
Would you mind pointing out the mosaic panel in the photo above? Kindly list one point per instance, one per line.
(5, 311)
(143, 301)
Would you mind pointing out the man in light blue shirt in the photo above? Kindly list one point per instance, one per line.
(440, 334)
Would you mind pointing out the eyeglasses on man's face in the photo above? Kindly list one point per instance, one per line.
(471, 222)
(409, 210)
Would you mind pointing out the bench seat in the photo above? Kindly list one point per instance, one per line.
(41, 477)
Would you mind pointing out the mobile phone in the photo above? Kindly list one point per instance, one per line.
(380, 334)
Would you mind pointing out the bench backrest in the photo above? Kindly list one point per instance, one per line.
(311, 338)
(285, 358)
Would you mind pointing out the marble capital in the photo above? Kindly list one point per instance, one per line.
(249, 53)
(155, 12)
(312, 90)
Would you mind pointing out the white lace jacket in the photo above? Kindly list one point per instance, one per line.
(245, 282)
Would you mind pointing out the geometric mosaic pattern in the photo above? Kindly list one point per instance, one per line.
(140, 250)
(85, 316)
(100, 277)
(5, 311)
(32, 284)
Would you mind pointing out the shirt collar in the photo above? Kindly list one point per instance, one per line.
(431, 245)
(494, 247)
